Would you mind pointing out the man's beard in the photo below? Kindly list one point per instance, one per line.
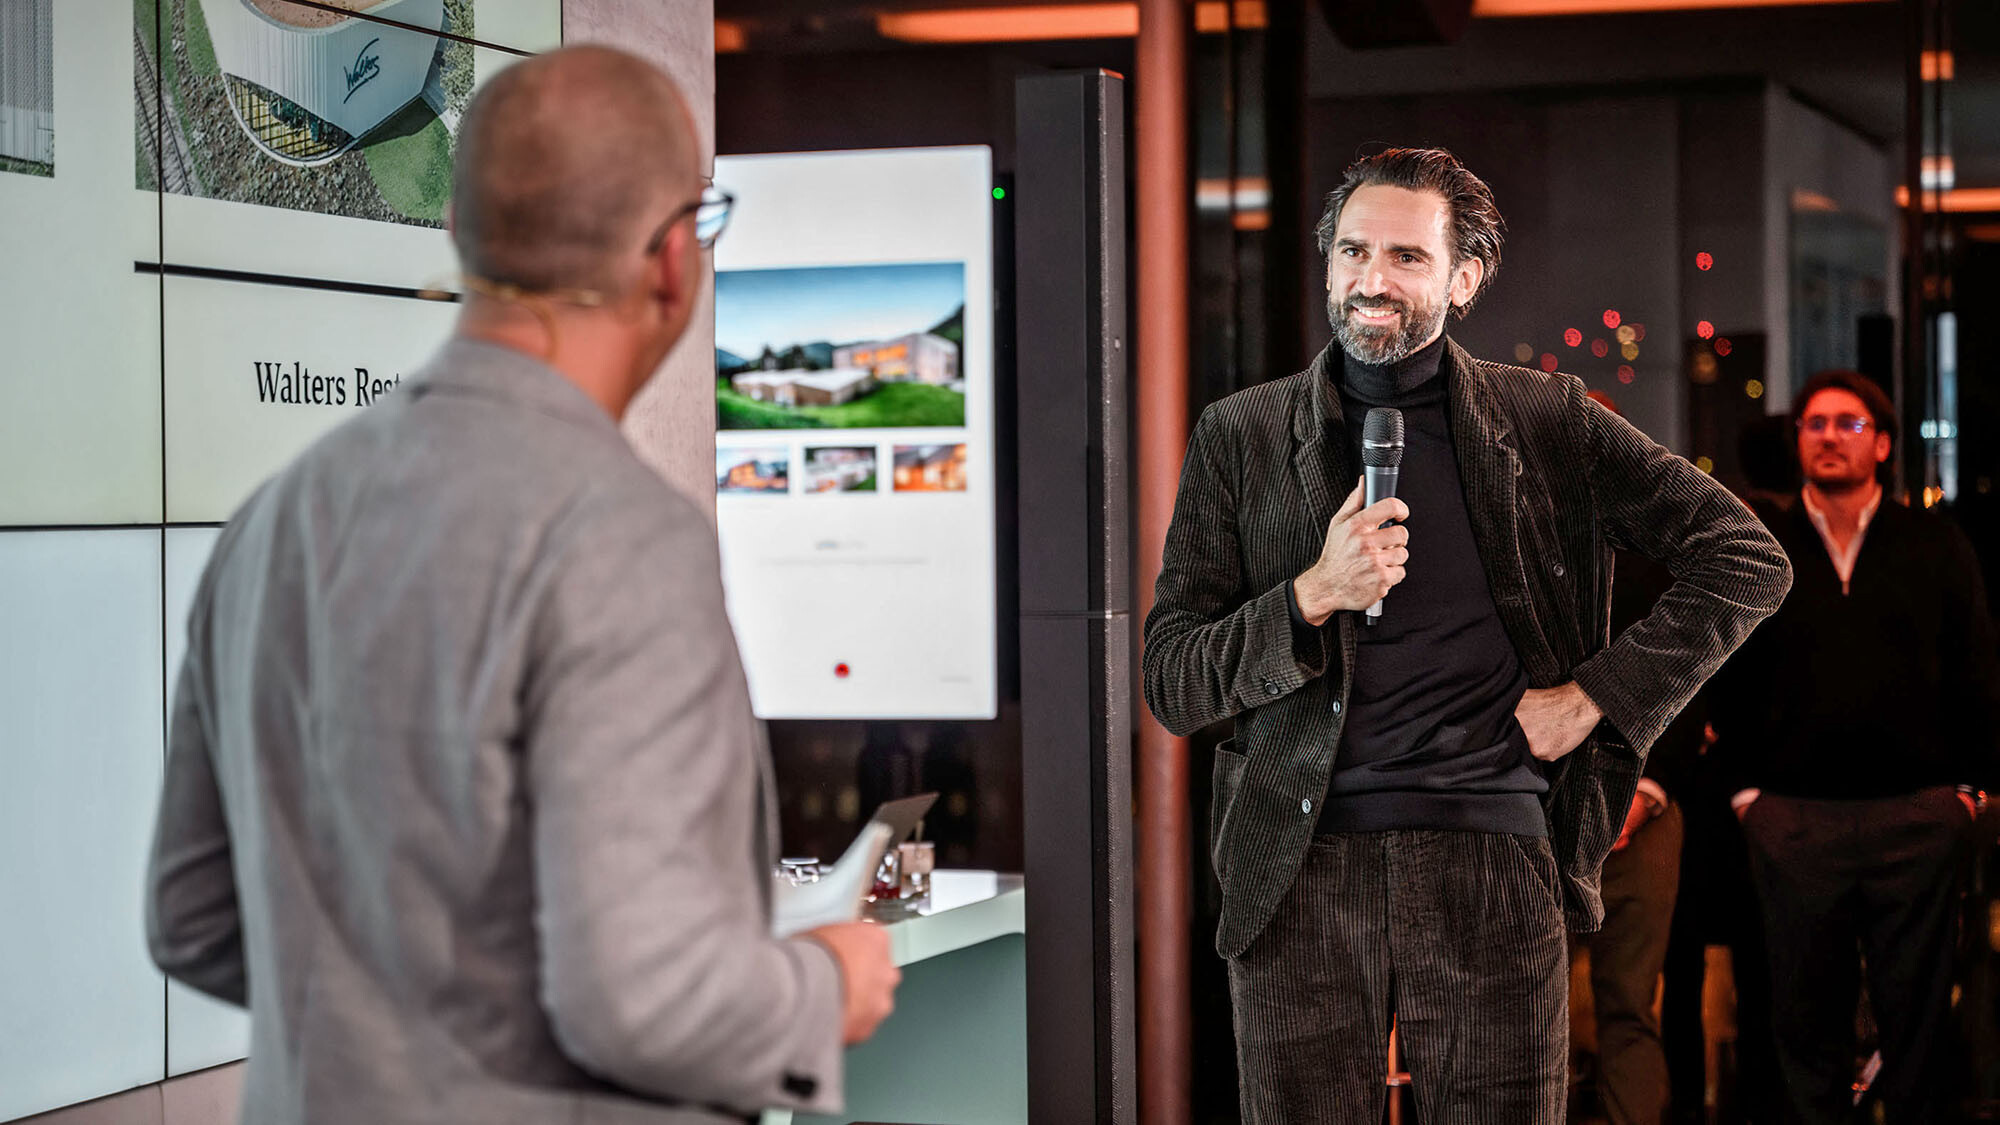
(1381, 346)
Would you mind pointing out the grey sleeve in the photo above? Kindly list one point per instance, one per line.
(659, 970)
(193, 927)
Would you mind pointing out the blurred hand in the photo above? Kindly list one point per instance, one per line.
(1556, 720)
(868, 977)
(1360, 561)
(1642, 810)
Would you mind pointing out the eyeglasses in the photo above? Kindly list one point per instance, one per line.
(1844, 423)
(711, 215)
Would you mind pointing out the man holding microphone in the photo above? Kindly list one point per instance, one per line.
(1411, 810)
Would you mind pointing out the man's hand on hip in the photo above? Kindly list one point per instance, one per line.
(1556, 720)
(1360, 562)
(868, 975)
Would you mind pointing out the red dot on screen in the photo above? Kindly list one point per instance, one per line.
(1611, 318)
(840, 670)
(1704, 261)
(1600, 348)
(1572, 337)
(1548, 362)
(1705, 330)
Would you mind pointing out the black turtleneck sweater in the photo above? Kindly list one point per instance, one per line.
(1430, 740)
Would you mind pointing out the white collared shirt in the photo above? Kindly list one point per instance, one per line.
(1843, 560)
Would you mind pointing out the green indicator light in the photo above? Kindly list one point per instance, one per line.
(999, 193)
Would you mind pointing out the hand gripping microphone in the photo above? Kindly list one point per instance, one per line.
(1381, 464)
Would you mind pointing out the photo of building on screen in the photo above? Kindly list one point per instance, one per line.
(930, 468)
(27, 87)
(840, 468)
(303, 107)
(753, 470)
(840, 347)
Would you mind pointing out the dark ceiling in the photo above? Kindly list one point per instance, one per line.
(1844, 59)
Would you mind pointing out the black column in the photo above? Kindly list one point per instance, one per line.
(1075, 567)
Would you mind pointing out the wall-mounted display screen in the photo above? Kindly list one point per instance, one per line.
(854, 465)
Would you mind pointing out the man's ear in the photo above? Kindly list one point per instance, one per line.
(674, 272)
(1465, 281)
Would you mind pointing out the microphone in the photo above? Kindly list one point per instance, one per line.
(1381, 464)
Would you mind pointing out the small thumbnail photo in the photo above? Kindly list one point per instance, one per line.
(766, 469)
(27, 87)
(840, 468)
(930, 468)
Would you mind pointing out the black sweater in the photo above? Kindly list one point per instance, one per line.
(1430, 739)
(1885, 690)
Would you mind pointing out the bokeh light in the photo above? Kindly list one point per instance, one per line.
(1626, 374)
(1548, 362)
(1754, 388)
(1723, 346)
(1572, 337)
(1629, 351)
(1704, 261)
(1705, 330)
(1611, 318)
(1599, 348)
(1704, 464)
(1524, 353)
(1628, 335)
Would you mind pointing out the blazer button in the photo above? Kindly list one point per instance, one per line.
(1559, 571)
(1306, 806)
(1271, 687)
(1336, 706)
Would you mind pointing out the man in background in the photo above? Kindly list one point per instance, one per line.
(464, 797)
(1861, 718)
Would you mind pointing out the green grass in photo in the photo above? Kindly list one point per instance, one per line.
(411, 164)
(892, 404)
(866, 484)
(200, 48)
(146, 17)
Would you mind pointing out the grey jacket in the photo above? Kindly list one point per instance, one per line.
(464, 798)
(1553, 483)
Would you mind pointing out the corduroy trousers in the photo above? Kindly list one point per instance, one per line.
(1459, 935)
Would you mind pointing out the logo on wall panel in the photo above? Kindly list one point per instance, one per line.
(360, 97)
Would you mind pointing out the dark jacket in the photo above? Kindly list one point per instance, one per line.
(1553, 482)
(1887, 689)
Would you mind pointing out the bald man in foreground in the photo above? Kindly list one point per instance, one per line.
(464, 798)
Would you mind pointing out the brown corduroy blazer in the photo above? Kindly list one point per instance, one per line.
(1553, 484)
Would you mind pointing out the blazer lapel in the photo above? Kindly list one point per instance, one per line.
(1490, 469)
(1319, 446)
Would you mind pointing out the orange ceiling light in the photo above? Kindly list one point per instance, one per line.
(730, 37)
(1214, 16)
(1958, 199)
(1503, 8)
(1938, 66)
(1032, 23)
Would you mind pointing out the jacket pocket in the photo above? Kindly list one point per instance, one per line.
(1225, 780)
